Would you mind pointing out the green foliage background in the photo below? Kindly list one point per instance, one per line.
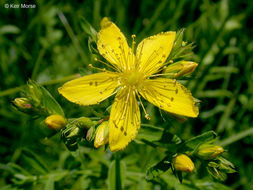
(48, 45)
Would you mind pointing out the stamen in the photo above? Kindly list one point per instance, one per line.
(103, 70)
(163, 74)
(112, 67)
(146, 114)
(133, 42)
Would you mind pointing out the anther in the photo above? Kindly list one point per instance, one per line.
(133, 42)
(147, 116)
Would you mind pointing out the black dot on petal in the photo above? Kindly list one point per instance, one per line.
(125, 133)
(122, 129)
(176, 91)
(172, 99)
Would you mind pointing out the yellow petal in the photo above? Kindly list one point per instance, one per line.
(90, 89)
(124, 120)
(169, 95)
(152, 52)
(112, 45)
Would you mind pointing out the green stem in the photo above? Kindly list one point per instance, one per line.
(17, 89)
(236, 137)
(117, 172)
(72, 36)
(37, 64)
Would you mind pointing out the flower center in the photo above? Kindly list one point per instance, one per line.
(132, 79)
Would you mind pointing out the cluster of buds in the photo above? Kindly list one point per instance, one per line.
(76, 130)
(183, 163)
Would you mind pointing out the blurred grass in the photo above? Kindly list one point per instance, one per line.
(48, 45)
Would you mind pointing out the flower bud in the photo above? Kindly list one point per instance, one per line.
(183, 163)
(102, 134)
(209, 152)
(90, 134)
(22, 103)
(83, 122)
(55, 122)
(181, 68)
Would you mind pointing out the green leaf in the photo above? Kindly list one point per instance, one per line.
(50, 103)
(9, 29)
(158, 168)
(49, 185)
(34, 161)
(195, 142)
(14, 168)
(216, 173)
(42, 100)
(149, 133)
(169, 138)
(116, 174)
(87, 27)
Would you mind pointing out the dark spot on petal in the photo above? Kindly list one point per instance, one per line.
(125, 133)
(122, 129)
(176, 91)
(172, 99)
(90, 83)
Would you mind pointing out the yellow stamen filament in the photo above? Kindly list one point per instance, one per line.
(146, 114)
(111, 66)
(103, 70)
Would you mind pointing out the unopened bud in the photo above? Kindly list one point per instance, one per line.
(55, 122)
(83, 122)
(102, 134)
(90, 134)
(181, 68)
(22, 103)
(210, 152)
(183, 163)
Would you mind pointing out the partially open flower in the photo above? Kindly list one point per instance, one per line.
(55, 122)
(22, 103)
(183, 163)
(102, 134)
(210, 152)
(181, 68)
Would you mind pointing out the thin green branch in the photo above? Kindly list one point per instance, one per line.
(17, 89)
(236, 137)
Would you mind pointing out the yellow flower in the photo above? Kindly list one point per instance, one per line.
(134, 75)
